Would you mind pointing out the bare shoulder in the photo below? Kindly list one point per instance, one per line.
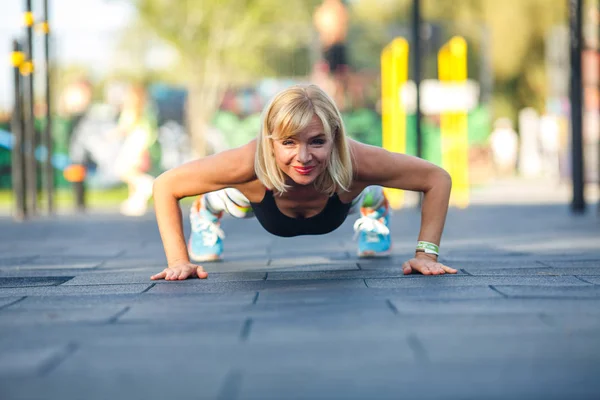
(366, 159)
(229, 168)
(237, 164)
(377, 166)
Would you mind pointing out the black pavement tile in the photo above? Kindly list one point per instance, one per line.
(35, 273)
(191, 309)
(484, 264)
(92, 251)
(589, 291)
(122, 263)
(124, 333)
(28, 361)
(550, 346)
(326, 354)
(440, 293)
(132, 385)
(299, 296)
(573, 322)
(16, 282)
(567, 264)
(312, 325)
(337, 274)
(9, 301)
(69, 301)
(151, 299)
(311, 263)
(453, 324)
(129, 371)
(502, 305)
(63, 259)
(382, 379)
(451, 280)
(361, 322)
(55, 264)
(576, 271)
(15, 261)
(318, 267)
(595, 279)
(228, 265)
(119, 277)
(205, 286)
(74, 290)
(10, 317)
(513, 271)
(404, 381)
(548, 271)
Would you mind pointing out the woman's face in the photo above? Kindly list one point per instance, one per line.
(304, 156)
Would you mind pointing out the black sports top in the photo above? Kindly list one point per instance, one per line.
(279, 224)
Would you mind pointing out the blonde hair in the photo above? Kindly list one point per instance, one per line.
(288, 113)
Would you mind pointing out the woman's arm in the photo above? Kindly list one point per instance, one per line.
(226, 169)
(377, 166)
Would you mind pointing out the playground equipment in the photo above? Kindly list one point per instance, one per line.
(25, 142)
(452, 70)
(394, 73)
(452, 67)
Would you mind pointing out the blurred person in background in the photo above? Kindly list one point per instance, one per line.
(90, 144)
(137, 128)
(550, 146)
(331, 22)
(504, 142)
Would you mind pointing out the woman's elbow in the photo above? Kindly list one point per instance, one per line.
(162, 185)
(440, 179)
(445, 178)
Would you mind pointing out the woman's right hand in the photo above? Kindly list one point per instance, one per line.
(180, 272)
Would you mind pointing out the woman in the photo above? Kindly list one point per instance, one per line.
(300, 176)
(133, 160)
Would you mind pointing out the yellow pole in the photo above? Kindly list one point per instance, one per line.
(394, 74)
(452, 69)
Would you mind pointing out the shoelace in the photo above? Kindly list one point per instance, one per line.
(370, 225)
(209, 230)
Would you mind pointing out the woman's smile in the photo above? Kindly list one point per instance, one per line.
(304, 170)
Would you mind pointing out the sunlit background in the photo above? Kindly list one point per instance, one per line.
(209, 67)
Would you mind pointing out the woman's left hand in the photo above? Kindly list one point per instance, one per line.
(427, 265)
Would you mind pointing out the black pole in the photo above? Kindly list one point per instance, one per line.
(416, 25)
(30, 137)
(17, 167)
(47, 138)
(79, 191)
(576, 93)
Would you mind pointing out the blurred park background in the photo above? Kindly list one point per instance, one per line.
(199, 72)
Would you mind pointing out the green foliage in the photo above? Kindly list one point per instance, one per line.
(239, 36)
(517, 30)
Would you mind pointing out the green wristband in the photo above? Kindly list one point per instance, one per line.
(428, 248)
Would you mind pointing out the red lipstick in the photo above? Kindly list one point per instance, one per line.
(304, 170)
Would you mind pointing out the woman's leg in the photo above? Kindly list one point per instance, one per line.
(206, 239)
(231, 201)
(371, 200)
(371, 227)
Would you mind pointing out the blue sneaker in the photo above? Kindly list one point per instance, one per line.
(206, 240)
(373, 234)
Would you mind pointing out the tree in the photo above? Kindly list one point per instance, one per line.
(221, 43)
